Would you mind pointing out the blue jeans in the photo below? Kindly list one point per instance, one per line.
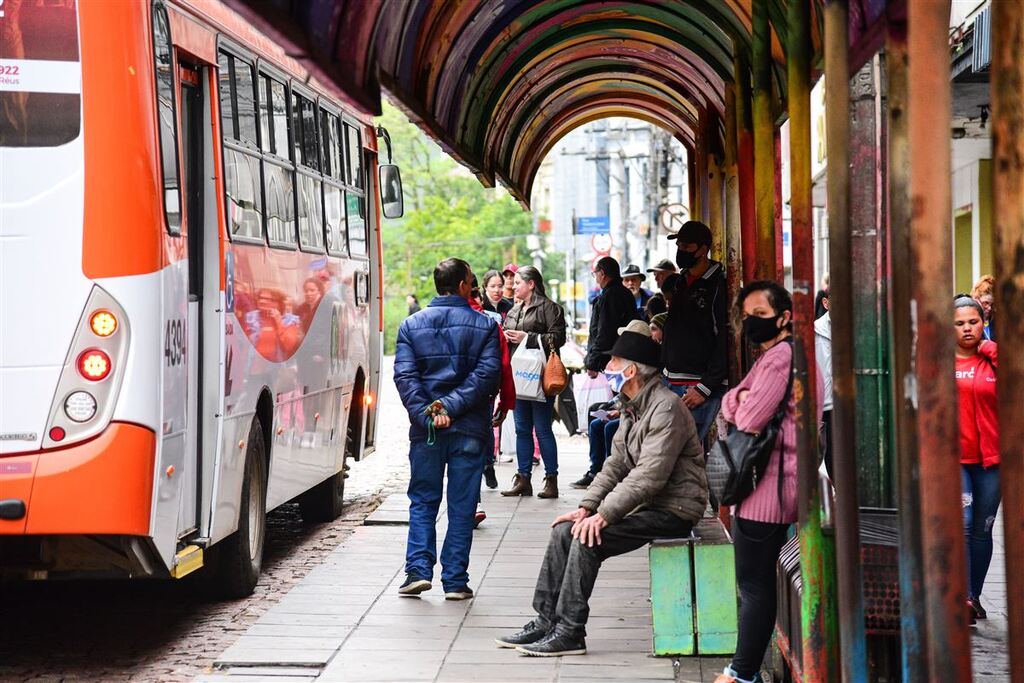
(530, 416)
(463, 457)
(601, 434)
(703, 415)
(981, 502)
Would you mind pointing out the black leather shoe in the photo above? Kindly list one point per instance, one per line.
(531, 633)
(555, 644)
(583, 482)
(979, 611)
(490, 478)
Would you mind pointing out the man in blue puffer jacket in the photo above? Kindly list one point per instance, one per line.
(447, 370)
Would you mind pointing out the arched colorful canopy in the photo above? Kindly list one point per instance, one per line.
(498, 82)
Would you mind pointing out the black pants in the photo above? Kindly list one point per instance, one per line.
(756, 546)
(570, 568)
(826, 441)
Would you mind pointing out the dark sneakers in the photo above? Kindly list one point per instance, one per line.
(531, 633)
(490, 478)
(979, 611)
(464, 593)
(555, 644)
(583, 482)
(413, 586)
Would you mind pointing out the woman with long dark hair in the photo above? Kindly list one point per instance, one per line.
(976, 363)
(493, 289)
(536, 321)
(761, 521)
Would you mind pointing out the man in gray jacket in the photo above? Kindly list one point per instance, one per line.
(652, 486)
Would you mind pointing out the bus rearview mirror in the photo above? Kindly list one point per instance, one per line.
(391, 199)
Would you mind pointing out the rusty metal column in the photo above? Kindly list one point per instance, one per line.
(866, 282)
(913, 626)
(764, 142)
(847, 514)
(932, 383)
(1008, 191)
(817, 647)
(733, 246)
(716, 217)
(745, 162)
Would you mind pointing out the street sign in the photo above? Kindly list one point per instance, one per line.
(672, 216)
(592, 225)
(601, 244)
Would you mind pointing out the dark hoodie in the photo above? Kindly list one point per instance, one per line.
(613, 308)
(694, 342)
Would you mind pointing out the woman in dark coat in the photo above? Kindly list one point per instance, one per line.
(535, 321)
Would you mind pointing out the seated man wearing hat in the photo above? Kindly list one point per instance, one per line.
(651, 487)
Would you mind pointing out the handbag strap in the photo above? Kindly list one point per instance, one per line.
(781, 416)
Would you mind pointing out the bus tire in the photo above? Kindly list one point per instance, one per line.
(238, 559)
(324, 502)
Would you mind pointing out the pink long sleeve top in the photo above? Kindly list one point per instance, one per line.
(766, 385)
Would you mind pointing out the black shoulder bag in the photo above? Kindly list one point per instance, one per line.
(736, 462)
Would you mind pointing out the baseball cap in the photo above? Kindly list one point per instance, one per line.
(637, 326)
(663, 266)
(510, 268)
(693, 232)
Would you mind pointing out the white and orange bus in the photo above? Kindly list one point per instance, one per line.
(190, 289)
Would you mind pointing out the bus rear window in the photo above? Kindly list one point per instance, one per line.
(40, 73)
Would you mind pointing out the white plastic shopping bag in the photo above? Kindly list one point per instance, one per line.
(527, 370)
(588, 392)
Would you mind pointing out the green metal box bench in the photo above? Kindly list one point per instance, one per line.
(693, 592)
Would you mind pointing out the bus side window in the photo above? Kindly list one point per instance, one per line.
(166, 107)
(242, 162)
(334, 207)
(356, 224)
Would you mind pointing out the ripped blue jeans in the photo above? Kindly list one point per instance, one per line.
(980, 487)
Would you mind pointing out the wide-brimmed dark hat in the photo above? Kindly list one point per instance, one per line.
(637, 347)
(633, 270)
(663, 266)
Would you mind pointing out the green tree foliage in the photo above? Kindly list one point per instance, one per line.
(447, 213)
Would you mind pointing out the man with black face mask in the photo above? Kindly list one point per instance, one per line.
(693, 349)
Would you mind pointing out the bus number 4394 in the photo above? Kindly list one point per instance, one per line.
(174, 342)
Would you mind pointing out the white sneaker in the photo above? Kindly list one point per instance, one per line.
(504, 458)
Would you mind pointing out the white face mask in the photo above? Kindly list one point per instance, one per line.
(616, 379)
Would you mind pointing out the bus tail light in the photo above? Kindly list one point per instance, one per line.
(103, 323)
(94, 365)
(91, 379)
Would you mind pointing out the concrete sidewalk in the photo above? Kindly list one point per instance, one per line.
(346, 622)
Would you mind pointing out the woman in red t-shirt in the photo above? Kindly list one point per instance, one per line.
(976, 363)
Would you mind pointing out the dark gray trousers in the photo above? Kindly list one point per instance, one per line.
(570, 568)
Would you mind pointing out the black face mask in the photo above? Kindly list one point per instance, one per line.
(760, 330)
(686, 259)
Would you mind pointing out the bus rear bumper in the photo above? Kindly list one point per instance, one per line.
(103, 486)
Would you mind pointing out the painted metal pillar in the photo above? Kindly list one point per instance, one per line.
(779, 262)
(745, 163)
(933, 389)
(853, 642)
(733, 264)
(716, 214)
(817, 622)
(692, 183)
(764, 142)
(704, 125)
(868, 282)
(913, 625)
(1008, 191)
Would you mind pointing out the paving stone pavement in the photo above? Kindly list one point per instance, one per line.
(346, 622)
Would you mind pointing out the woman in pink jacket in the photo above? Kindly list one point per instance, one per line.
(761, 521)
